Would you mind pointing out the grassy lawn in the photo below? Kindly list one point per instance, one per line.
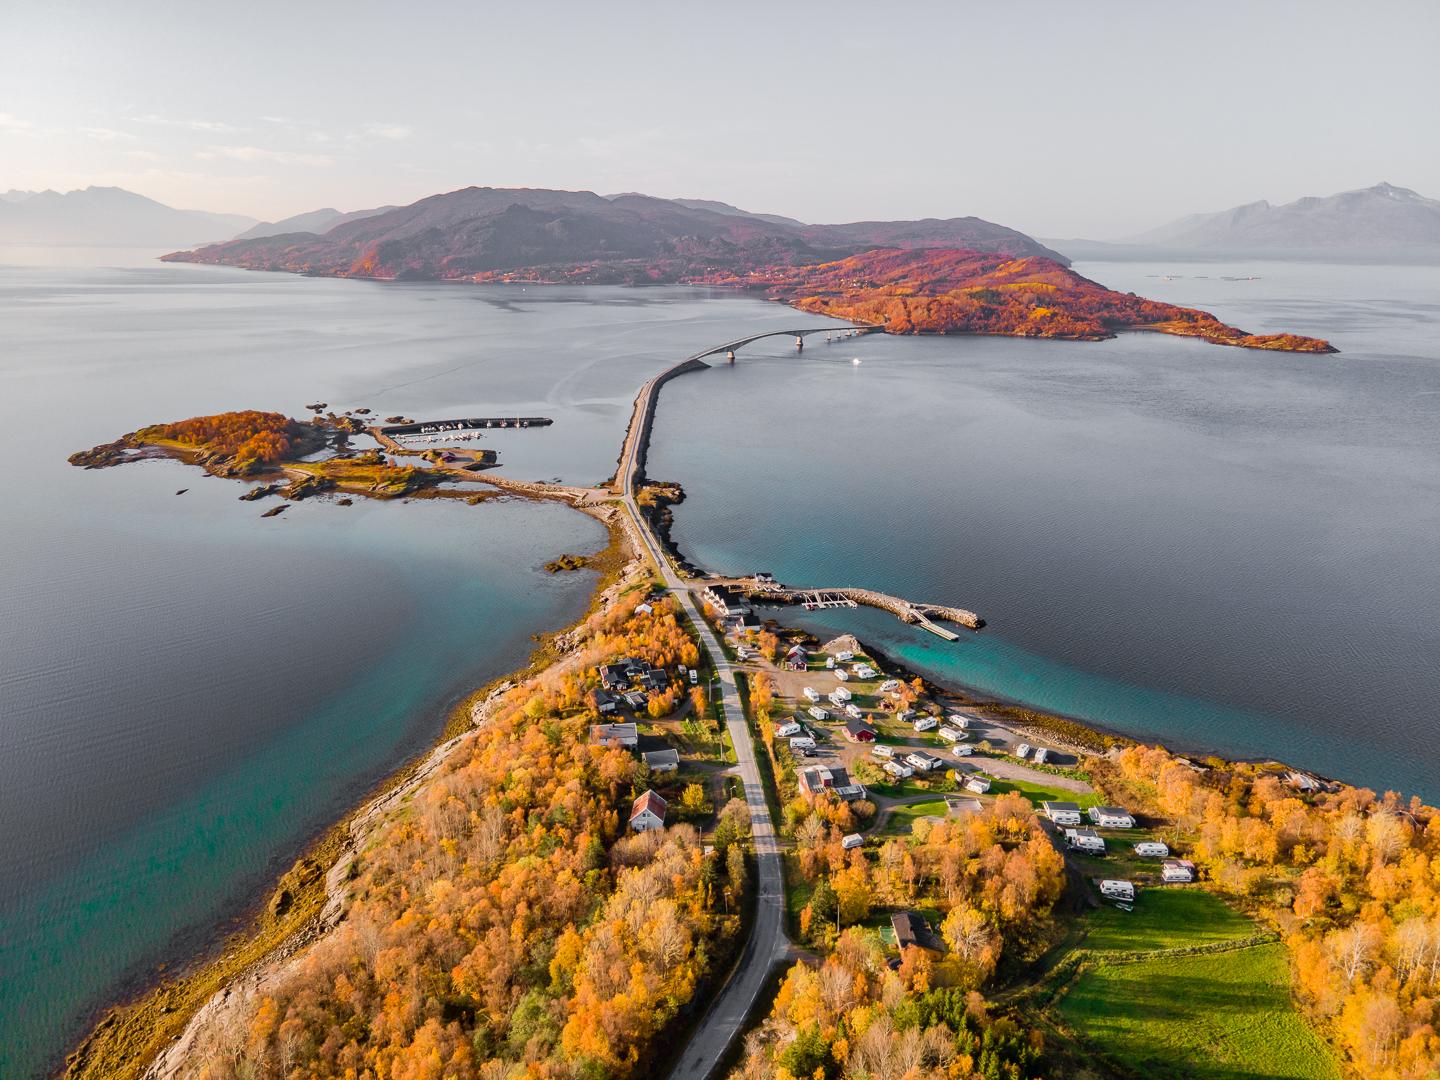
(1220, 1014)
(1223, 1014)
(1038, 793)
(1168, 918)
(902, 818)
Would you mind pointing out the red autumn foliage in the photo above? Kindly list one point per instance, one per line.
(248, 438)
(949, 290)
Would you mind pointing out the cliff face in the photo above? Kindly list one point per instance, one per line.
(937, 291)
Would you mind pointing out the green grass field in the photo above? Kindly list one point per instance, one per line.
(902, 818)
(1165, 918)
(1038, 793)
(1218, 1014)
(1224, 1014)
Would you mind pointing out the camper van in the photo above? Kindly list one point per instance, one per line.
(811, 694)
(1118, 890)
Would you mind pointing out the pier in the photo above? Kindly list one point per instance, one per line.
(924, 615)
(471, 423)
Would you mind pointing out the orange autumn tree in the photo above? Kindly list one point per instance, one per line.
(502, 921)
(1351, 879)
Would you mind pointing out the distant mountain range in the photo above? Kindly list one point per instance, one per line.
(318, 222)
(108, 216)
(480, 231)
(1379, 218)
(1380, 223)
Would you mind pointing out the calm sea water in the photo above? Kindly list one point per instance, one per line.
(1217, 548)
(1213, 547)
(189, 692)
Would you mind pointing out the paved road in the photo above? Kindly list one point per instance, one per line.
(767, 943)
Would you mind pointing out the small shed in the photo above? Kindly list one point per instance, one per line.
(912, 931)
(662, 760)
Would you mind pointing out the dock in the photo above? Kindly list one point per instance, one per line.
(926, 616)
(469, 423)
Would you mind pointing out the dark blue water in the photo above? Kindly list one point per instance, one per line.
(1216, 548)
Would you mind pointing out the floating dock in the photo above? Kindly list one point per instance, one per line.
(926, 616)
(470, 423)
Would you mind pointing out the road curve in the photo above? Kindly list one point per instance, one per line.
(767, 943)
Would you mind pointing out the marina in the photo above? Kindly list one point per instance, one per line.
(466, 424)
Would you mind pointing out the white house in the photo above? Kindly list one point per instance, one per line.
(1040, 755)
(1111, 817)
(1022, 750)
(1152, 849)
(625, 735)
(790, 727)
(1177, 870)
(950, 735)
(644, 609)
(894, 768)
(1117, 890)
(662, 760)
(926, 723)
(978, 784)
(648, 813)
(1062, 813)
(1086, 840)
(852, 840)
(811, 694)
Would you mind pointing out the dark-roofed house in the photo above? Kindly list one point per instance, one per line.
(626, 735)
(604, 703)
(648, 813)
(859, 731)
(662, 760)
(913, 931)
(614, 677)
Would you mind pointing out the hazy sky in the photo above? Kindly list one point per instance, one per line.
(1062, 119)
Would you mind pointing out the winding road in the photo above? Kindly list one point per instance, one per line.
(767, 943)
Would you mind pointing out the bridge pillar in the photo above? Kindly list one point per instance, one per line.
(799, 341)
(730, 356)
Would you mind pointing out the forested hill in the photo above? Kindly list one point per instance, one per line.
(631, 238)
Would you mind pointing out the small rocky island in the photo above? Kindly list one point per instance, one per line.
(295, 459)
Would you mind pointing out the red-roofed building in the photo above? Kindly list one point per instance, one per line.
(648, 813)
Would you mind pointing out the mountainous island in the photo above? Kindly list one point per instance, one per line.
(953, 275)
